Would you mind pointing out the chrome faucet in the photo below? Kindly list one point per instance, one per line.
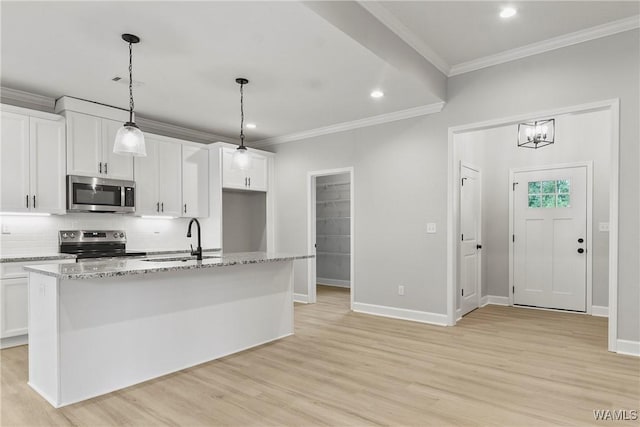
(198, 251)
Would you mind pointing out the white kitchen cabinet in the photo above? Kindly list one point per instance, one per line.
(13, 300)
(158, 178)
(14, 312)
(90, 148)
(33, 166)
(195, 181)
(253, 179)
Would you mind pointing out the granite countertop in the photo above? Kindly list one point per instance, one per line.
(39, 257)
(57, 256)
(128, 266)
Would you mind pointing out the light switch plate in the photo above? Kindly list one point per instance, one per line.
(431, 227)
(603, 226)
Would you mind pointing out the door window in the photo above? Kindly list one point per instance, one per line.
(549, 194)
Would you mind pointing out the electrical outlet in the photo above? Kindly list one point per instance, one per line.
(603, 226)
(400, 290)
(431, 227)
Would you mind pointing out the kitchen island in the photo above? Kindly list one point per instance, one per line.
(99, 326)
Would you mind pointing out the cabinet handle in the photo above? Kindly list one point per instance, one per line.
(27, 198)
(100, 167)
(162, 206)
(105, 169)
(157, 206)
(245, 181)
(34, 202)
(185, 208)
(249, 181)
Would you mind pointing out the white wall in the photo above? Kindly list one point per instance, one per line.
(400, 172)
(579, 137)
(27, 235)
(244, 221)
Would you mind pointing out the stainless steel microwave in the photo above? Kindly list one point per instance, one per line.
(88, 194)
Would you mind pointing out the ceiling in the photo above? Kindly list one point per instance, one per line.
(306, 69)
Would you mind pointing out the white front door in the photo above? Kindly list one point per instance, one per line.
(549, 241)
(470, 226)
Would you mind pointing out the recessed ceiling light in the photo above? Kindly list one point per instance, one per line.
(251, 125)
(377, 94)
(507, 12)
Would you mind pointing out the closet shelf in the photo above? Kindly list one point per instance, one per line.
(333, 235)
(333, 184)
(327, 218)
(334, 253)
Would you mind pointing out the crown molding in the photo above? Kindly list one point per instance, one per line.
(26, 99)
(565, 40)
(180, 132)
(422, 110)
(383, 15)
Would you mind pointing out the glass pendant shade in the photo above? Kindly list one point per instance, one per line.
(241, 159)
(130, 141)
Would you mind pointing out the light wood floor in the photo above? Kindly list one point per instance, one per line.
(499, 366)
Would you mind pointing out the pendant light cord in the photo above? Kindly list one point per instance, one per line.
(130, 83)
(241, 114)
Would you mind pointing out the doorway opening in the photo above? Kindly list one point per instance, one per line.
(330, 231)
(492, 146)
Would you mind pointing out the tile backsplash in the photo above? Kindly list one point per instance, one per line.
(26, 235)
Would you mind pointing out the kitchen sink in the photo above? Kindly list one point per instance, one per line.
(181, 258)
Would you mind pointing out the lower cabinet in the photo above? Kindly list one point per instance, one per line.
(13, 303)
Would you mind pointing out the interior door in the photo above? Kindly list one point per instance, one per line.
(470, 227)
(549, 242)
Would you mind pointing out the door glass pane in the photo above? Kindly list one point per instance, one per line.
(549, 201)
(548, 187)
(534, 201)
(563, 201)
(534, 187)
(563, 186)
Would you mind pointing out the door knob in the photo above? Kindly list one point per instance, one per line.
(580, 240)
(478, 246)
(580, 250)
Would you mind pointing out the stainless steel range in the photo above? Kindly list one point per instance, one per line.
(91, 244)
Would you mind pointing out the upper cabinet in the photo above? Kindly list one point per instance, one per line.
(195, 181)
(158, 178)
(32, 149)
(90, 148)
(253, 179)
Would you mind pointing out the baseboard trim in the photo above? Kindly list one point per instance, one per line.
(494, 300)
(599, 311)
(333, 282)
(14, 341)
(401, 313)
(301, 298)
(630, 348)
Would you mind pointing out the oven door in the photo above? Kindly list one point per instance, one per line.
(87, 194)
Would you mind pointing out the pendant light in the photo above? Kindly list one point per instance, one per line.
(241, 158)
(129, 139)
(536, 134)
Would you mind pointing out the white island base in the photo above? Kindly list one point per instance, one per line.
(91, 336)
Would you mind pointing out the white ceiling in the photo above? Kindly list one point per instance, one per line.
(463, 31)
(306, 72)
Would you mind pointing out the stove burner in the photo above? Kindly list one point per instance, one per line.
(91, 244)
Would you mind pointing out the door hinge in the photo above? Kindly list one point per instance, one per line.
(513, 186)
(513, 237)
(462, 237)
(463, 292)
(513, 289)
(463, 181)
